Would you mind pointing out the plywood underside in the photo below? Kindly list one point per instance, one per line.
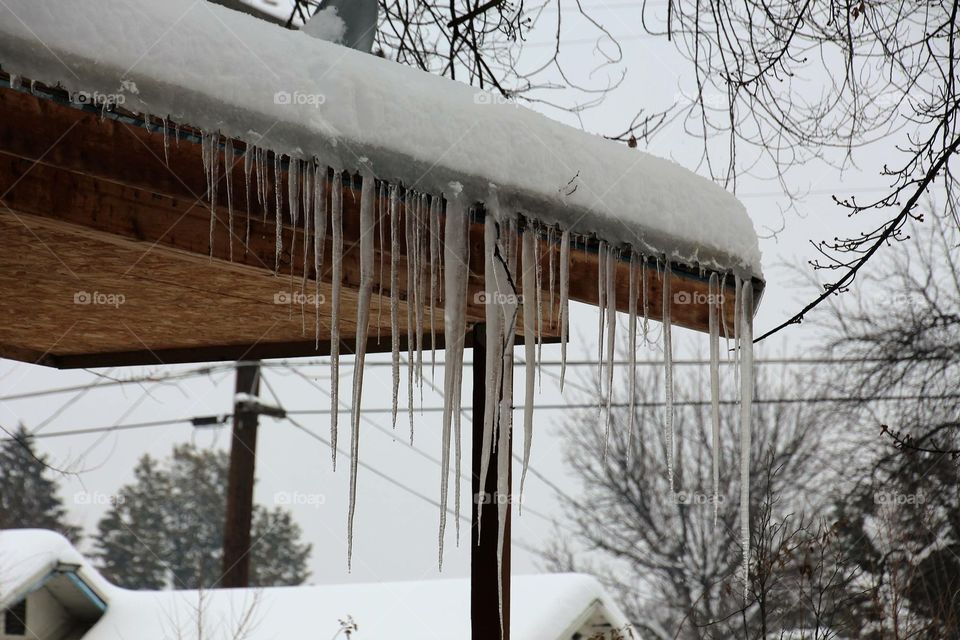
(100, 206)
(69, 293)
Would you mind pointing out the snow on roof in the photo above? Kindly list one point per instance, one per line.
(210, 67)
(544, 606)
(27, 556)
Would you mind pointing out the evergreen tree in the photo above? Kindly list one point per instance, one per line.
(166, 528)
(28, 496)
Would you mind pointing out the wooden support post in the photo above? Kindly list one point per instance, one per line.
(240, 479)
(484, 601)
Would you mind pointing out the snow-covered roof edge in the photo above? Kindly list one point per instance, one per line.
(217, 69)
(28, 556)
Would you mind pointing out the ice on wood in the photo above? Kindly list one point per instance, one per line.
(409, 217)
(278, 214)
(228, 161)
(503, 477)
(530, 312)
(395, 296)
(307, 173)
(247, 167)
(745, 303)
(668, 370)
(493, 337)
(632, 330)
(601, 307)
(611, 300)
(336, 222)
(713, 299)
(209, 85)
(455, 282)
(434, 231)
(367, 202)
(564, 301)
(319, 237)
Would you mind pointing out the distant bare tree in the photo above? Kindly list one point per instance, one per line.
(786, 82)
(899, 518)
(676, 572)
(902, 340)
(480, 43)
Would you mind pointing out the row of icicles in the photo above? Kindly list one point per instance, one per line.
(435, 232)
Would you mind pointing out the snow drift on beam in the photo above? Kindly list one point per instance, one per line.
(212, 68)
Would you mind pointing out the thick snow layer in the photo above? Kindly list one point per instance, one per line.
(327, 25)
(544, 606)
(27, 556)
(210, 67)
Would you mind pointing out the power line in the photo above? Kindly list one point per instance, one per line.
(799, 361)
(625, 363)
(220, 419)
(384, 476)
(393, 435)
(397, 483)
(102, 383)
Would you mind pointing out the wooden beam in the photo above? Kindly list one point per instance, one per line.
(240, 479)
(485, 580)
(104, 184)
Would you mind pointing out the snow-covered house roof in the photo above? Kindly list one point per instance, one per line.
(221, 70)
(545, 607)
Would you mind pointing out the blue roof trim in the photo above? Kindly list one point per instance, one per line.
(86, 590)
(77, 581)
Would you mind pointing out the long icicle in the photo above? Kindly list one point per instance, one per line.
(564, 301)
(166, 140)
(552, 255)
(228, 160)
(668, 368)
(336, 220)
(367, 218)
(205, 141)
(713, 324)
(319, 237)
(632, 310)
(458, 350)
(529, 283)
(610, 272)
(263, 180)
(454, 328)
(278, 218)
(247, 167)
(293, 209)
(307, 221)
(493, 359)
(421, 287)
(409, 217)
(746, 400)
(382, 211)
(645, 292)
(537, 260)
(601, 308)
(395, 296)
(434, 279)
(505, 430)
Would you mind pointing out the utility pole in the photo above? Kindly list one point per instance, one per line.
(240, 478)
(484, 600)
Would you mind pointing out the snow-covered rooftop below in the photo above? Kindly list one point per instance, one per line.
(210, 67)
(545, 607)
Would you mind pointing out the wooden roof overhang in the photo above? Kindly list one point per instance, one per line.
(97, 205)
